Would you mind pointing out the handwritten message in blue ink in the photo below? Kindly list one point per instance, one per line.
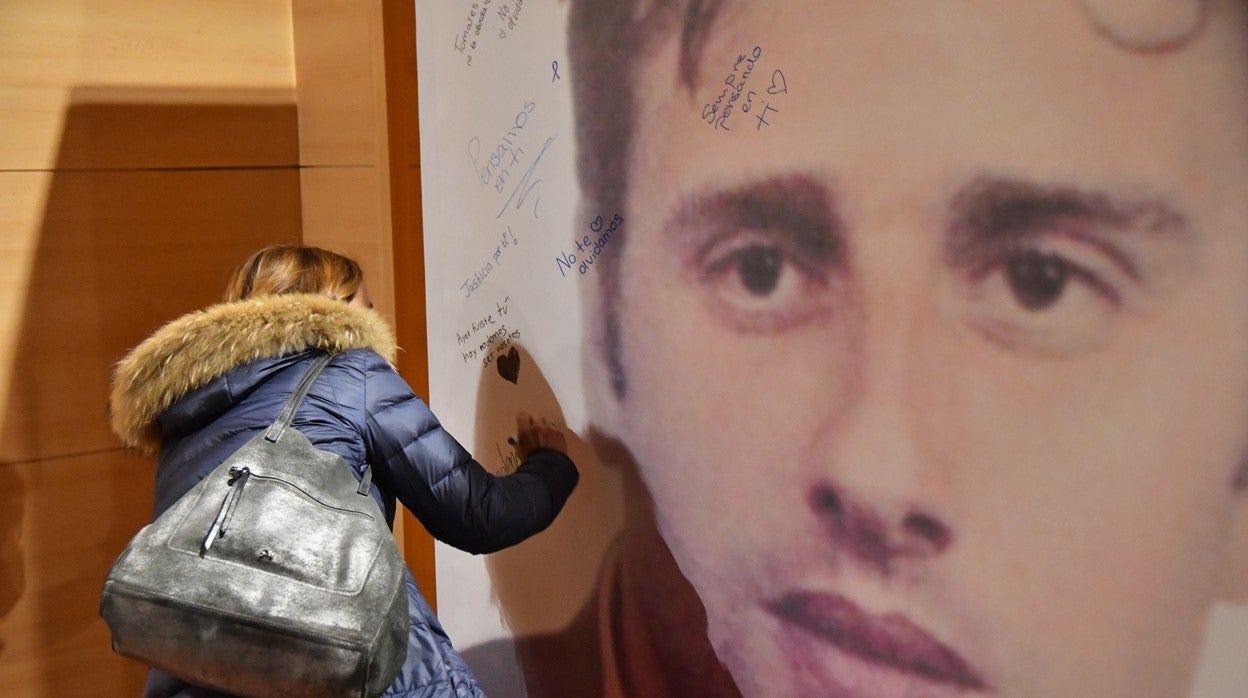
(506, 241)
(495, 168)
(587, 249)
(526, 186)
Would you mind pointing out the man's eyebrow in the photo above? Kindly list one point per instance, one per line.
(796, 204)
(991, 215)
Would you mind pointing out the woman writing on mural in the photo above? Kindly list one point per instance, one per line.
(204, 384)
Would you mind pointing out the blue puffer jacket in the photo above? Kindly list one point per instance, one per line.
(201, 386)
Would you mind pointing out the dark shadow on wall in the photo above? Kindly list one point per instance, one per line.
(156, 195)
(12, 569)
(540, 585)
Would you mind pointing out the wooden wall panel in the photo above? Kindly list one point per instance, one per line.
(342, 211)
(111, 255)
(403, 147)
(403, 141)
(166, 128)
(62, 523)
(341, 135)
(147, 146)
(356, 71)
(341, 95)
(51, 48)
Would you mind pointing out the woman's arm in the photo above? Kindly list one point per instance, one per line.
(458, 501)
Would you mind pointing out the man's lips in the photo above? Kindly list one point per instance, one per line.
(890, 639)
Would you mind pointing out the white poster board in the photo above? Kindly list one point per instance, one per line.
(504, 311)
(892, 350)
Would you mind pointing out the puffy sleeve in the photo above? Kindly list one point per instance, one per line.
(454, 497)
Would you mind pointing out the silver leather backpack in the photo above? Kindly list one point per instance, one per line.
(274, 576)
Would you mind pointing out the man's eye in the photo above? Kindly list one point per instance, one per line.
(758, 268)
(1056, 298)
(1037, 279)
(759, 284)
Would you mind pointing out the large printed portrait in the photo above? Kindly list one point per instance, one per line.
(915, 334)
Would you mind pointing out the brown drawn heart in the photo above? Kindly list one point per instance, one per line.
(509, 365)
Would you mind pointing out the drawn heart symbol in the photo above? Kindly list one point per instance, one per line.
(509, 365)
(778, 89)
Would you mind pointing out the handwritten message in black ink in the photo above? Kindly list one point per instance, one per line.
(466, 41)
(478, 341)
(716, 113)
(509, 15)
(499, 347)
(587, 249)
(509, 460)
(506, 241)
(779, 86)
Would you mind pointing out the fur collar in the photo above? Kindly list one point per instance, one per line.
(201, 346)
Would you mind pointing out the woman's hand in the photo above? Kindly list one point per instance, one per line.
(533, 433)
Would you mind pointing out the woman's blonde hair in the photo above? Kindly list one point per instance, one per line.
(295, 269)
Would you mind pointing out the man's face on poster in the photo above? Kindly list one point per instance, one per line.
(939, 379)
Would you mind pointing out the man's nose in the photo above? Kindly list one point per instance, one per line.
(880, 487)
(873, 538)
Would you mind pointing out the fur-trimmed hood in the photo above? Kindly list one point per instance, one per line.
(204, 345)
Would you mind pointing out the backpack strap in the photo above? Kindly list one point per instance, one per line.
(301, 390)
(287, 414)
